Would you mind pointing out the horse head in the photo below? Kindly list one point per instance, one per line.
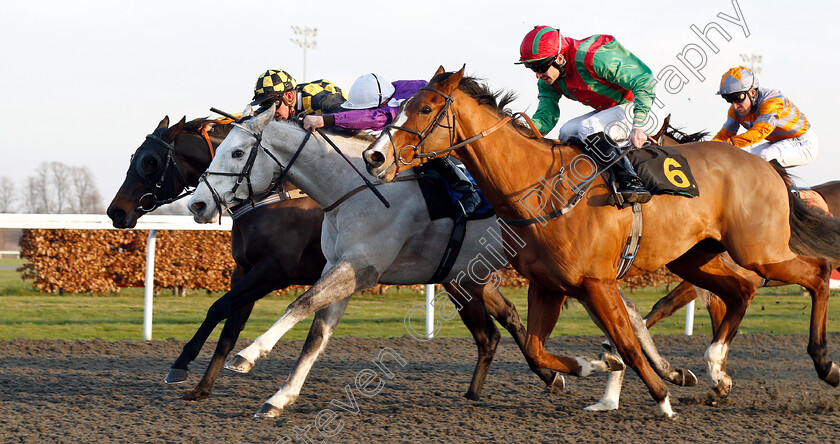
(152, 177)
(235, 172)
(424, 121)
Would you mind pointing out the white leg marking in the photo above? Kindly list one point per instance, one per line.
(611, 394)
(588, 367)
(665, 407)
(715, 355)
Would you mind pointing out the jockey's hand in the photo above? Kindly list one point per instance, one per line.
(313, 122)
(637, 137)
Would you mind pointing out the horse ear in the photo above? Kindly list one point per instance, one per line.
(176, 129)
(439, 71)
(248, 112)
(163, 123)
(265, 117)
(451, 83)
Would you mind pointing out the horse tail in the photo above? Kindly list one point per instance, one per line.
(812, 232)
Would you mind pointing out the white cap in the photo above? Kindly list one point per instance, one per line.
(369, 91)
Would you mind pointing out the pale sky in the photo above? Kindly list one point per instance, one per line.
(82, 82)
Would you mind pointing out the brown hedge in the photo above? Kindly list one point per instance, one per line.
(100, 261)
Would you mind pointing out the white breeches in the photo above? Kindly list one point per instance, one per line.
(616, 122)
(788, 152)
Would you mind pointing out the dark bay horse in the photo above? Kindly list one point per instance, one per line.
(274, 246)
(574, 246)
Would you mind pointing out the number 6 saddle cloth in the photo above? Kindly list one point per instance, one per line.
(663, 170)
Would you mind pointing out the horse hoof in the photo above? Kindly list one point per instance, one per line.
(268, 411)
(557, 384)
(176, 376)
(833, 375)
(602, 406)
(607, 346)
(196, 395)
(614, 363)
(239, 364)
(723, 387)
(687, 377)
(472, 396)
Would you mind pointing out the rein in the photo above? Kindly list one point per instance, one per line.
(437, 122)
(245, 174)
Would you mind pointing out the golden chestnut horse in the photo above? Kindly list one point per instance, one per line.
(743, 208)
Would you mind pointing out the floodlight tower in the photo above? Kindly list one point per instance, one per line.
(306, 41)
(753, 61)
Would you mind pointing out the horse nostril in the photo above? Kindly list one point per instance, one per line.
(376, 158)
(199, 206)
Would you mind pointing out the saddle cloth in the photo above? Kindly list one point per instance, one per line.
(442, 201)
(663, 170)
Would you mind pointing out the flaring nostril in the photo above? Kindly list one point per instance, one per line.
(199, 206)
(376, 158)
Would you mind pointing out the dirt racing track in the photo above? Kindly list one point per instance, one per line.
(97, 391)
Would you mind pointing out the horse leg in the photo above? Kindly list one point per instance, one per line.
(477, 319)
(262, 279)
(813, 274)
(676, 299)
(227, 340)
(543, 311)
(678, 376)
(603, 302)
(337, 283)
(703, 266)
(320, 332)
(505, 312)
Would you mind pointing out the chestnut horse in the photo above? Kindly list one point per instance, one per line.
(573, 248)
(274, 246)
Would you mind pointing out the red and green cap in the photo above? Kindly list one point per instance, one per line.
(540, 43)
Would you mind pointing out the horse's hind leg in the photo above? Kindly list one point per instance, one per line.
(227, 340)
(543, 311)
(316, 341)
(813, 274)
(678, 376)
(245, 290)
(603, 302)
(703, 266)
(337, 283)
(477, 319)
(505, 312)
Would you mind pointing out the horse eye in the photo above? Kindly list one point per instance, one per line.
(425, 110)
(237, 154)
(149, 164)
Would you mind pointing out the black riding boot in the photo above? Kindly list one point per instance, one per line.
(603, 150)
(458, 181)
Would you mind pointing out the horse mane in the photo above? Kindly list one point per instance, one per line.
(477, 89)
(682, 137)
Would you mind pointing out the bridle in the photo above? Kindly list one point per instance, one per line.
(156, 199)
(436, 123)
(245, 173)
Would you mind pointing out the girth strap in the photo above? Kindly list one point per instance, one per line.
(632, 245)
(453, 248)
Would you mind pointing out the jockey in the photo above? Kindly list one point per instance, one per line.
(600, 73)
(373, 104)
(295, 100)
(776, 129)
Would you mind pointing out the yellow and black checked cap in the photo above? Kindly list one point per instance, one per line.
(272, 84)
